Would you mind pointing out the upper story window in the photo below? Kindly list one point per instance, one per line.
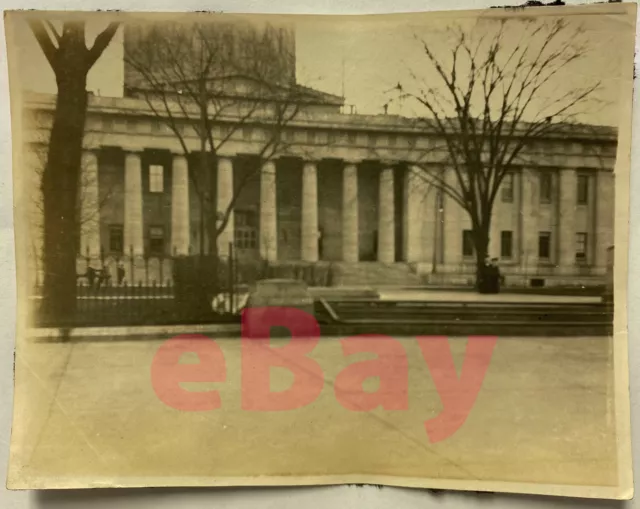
(545, 187)
(156, 178)
(352, 138)
(507, 188)
(311, 137)
(582, 189)
(289, 135)
(107, 124)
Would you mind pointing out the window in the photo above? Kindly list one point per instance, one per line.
(544, 245)
(246, 239)
(156, 178)
(583, 189)
(393, 139)
(506, 244)
(507, 188)
(581, 247)
(352, 138)
(545, 187)
(246, 231)
(246, 133)
(331, 137)
(156, 240)
(155, 126)
(132, 125)
(107, 124)
(311, 137)
(116, 238)
(467, 243)
(289, 135)
(373, 140)
(245, 218)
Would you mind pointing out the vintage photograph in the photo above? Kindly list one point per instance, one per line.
(297, 250)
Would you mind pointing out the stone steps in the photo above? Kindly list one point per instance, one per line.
(375, 274)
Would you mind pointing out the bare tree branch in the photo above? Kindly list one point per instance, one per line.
(489, 102)
(101, 42)
(44, 40)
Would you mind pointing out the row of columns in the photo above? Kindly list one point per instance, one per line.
(415, 190)
(180, 217)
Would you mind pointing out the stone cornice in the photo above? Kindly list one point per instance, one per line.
(392, 124)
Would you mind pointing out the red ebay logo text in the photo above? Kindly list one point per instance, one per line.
(457, 393)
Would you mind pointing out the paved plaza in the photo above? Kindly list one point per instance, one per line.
(88, 409)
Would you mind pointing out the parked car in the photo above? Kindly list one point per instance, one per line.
(283, 293)
(223, 303)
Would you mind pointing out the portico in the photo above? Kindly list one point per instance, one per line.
(347, 188)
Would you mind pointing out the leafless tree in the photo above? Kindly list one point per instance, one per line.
(487, 98)
(87, 209)
(65, 47)
(217, 80)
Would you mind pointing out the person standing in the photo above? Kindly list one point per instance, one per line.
(120, 272)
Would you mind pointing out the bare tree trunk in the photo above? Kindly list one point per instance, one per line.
(481, 244)
(203, 162)
(59, 185)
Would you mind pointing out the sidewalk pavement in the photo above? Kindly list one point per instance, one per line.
(431, 294)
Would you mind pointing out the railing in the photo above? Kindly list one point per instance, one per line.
(143, 290)
(105, 304)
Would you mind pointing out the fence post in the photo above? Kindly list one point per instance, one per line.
(230, 277)
(146, 267)
(132, 266)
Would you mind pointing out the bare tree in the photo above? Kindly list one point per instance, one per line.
(217, 79)
(87, 208)
(71, 59)
(489, 96)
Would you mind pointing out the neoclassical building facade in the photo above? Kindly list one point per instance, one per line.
(342, 188)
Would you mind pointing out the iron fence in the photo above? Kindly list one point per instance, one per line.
(144, 290)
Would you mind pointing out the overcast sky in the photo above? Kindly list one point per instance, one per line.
(366, 56)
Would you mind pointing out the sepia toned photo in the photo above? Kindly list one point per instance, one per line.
(304, 250)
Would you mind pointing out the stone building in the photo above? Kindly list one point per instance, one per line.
(343, 189)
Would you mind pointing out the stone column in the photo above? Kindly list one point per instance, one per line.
(223, 200)
(386, 218)
(566, 220)
(133, 226)
(415, 214)
(350, 228)
(180, 227)
(528, 224)
(89, 206)
(309, 223)
(604, 205)
(268, 212)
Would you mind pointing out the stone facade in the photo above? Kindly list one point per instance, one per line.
(342, 189)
